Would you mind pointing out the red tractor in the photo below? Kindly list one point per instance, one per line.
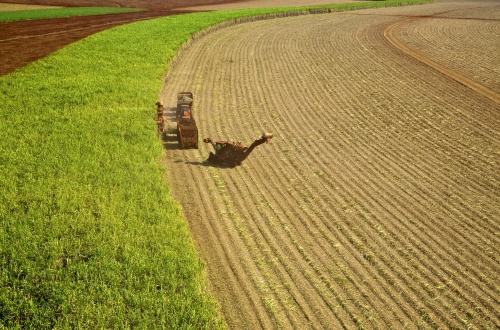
(187, 131)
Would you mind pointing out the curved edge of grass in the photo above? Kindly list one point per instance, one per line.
(90, 236)
(34, 14)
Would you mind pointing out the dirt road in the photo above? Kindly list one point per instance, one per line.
(376, 205)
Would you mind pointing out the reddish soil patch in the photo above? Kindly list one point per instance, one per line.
(27, 41)
(150, 4)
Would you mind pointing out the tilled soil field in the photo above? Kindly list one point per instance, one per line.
(376, 204)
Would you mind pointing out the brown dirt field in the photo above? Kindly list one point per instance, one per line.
(377, 204)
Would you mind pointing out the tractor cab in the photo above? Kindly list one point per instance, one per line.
(184, 112)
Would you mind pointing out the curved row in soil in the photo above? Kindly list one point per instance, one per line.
(376, 202)
(449, 47)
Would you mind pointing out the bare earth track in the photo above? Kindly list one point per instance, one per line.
(377, 203)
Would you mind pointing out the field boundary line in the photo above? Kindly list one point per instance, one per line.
(460, 78)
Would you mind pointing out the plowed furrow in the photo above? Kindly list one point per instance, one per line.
(271, 104)
(224, 124)
(377, 201)
(266, 102)
(318, 255)
(291, 257)
(403, 164)
(306, 147)
(312, 138)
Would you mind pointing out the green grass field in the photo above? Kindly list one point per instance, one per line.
(90, 236)
(22, 15)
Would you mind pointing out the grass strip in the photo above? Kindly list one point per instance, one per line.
(90, 236)
(32, 14)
